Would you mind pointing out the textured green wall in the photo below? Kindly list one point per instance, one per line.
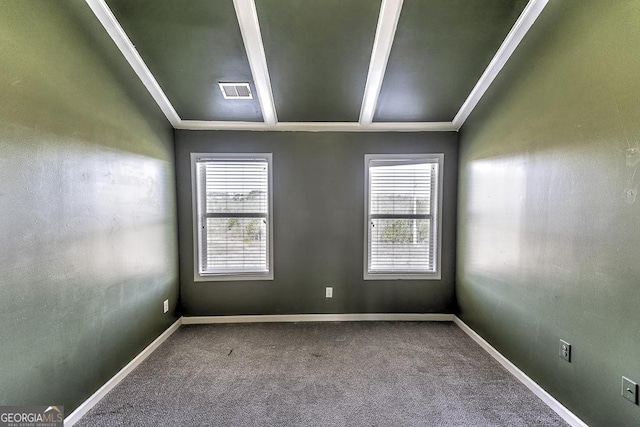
(318, 214)
(549, 224)
(87, 207)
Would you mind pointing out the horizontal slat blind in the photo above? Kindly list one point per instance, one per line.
(236, 245)
(236, 186)
(234, 221)
(401, 216)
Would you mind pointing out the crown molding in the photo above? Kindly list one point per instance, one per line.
(518, 31)
(385, 33)
(250, 29)
(111, 24)
(318, 126)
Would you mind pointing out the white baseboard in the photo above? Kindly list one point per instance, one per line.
(549, 400)
(354, 317)
(75, 416)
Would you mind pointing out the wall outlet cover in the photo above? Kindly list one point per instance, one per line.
(166, 306)
(565, 351)
(630, 390)
(329, 292)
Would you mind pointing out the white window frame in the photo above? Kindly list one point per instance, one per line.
(437, 215)
(198, 276)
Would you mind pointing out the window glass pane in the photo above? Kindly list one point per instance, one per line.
(401, 189)
(403, 245)
(236, 245)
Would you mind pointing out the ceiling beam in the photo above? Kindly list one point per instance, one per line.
(385, 33)
(520, 28)
(318, 126)
(111, 24)
(250, 29)
(387, 23)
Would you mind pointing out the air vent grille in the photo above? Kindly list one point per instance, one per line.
(236, 90)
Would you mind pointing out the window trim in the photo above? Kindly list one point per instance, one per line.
(437, 275)
(197, 236)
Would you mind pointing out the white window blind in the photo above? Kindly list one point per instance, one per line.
(234, 204)
(402, 216)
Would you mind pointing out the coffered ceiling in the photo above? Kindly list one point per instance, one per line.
(355, 65)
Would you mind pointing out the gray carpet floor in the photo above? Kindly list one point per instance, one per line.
(321, 374)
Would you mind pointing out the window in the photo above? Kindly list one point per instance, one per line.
(402, 228)
(232, 209)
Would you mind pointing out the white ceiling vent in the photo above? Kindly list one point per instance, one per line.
(235, 90)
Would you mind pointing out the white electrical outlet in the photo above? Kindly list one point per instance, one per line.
(329, 292)
(166, 305)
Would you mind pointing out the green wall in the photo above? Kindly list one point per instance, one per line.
(549, 223)
(318, 214)
(87, 200)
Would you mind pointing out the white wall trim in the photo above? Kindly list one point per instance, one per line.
(250, 29)
(549, 400)
(409, 127)
(383, 41)
(385, 33)
(111, 24)
(86, 406)
(354, 317)
(518, 31)
(319, 126)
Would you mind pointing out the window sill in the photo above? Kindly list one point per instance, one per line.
(232, 277)
(402, 276)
